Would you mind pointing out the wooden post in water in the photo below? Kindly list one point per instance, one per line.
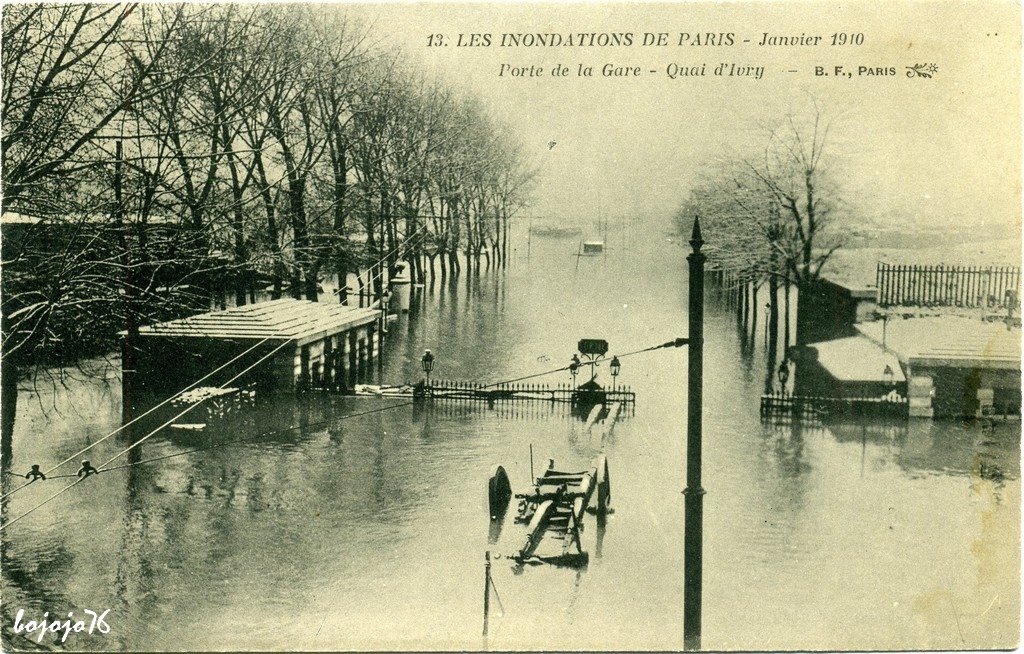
(487, 589)
(693, 534)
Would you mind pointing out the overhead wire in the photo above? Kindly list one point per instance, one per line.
(419, 233)
(137, 418)
(144, 438)
(201, 449)
(272, 432)
(678, 342)
(406, 244)
(415, 234)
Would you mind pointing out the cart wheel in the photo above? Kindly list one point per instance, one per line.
(499, 492)
(604, 485)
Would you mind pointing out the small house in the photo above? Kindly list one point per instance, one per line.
(284, 344)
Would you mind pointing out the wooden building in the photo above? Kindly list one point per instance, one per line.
(851, 367)
(314, 344)
(955, 366)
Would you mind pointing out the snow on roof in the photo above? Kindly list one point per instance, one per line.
(857, 359)
(948, 341)
(284, 319)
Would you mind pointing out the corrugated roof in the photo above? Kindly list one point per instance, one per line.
(285, 319)
(949, 340)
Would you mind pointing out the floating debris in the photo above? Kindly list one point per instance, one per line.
(404, 390)
(194, 426)
(553, 511)
(204, 393)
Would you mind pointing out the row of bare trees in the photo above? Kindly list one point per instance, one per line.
(771, 217)
(155, 155)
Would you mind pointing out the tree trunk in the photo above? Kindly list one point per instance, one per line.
(8, 408)
(504, 243)
(272, 235)
(303, 278)
(785, 281)
(453, 263)
(802, 296)
(129, 288)
(340, 196)
(753, 310)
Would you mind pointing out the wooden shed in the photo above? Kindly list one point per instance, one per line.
(314, 344)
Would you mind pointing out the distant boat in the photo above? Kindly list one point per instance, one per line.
(555, 230)
(593, 247)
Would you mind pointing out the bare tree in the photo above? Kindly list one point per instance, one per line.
(770, 217)
(775, 208)
(155, 155)
(63, 270)
(54, 56)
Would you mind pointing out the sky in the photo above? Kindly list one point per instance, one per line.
(927, 152)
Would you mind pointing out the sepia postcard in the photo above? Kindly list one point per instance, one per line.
(465, 326)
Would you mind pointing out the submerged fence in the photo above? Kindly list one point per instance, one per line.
(954, 286)
(479, 392)
(799, 406)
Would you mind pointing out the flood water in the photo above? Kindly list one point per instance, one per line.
(370, 532)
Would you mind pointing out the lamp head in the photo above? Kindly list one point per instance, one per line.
(889, 374)
(783, 372)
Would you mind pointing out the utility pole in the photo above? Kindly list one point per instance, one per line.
(693, 534)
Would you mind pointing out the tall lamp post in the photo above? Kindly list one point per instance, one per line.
(428, 364)
(693, 532)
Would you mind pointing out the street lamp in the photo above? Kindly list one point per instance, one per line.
(889, 375)
(428, 364)
(783, 374)
(574, 367)
(615, 367)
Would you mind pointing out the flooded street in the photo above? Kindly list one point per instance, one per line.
(370, 532)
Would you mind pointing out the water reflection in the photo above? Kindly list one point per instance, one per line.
(353, 528)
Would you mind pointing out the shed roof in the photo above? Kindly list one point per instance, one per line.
(856, 359)
(949, 341)
(287, 319)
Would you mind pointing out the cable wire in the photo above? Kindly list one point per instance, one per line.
(679, 342)
(143, 439)
(209, 447)
(139, 417)
(260, 435)
(405, 243)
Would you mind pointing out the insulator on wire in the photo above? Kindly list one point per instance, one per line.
(87, 469)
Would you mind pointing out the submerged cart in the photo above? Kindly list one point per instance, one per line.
(553, 511)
